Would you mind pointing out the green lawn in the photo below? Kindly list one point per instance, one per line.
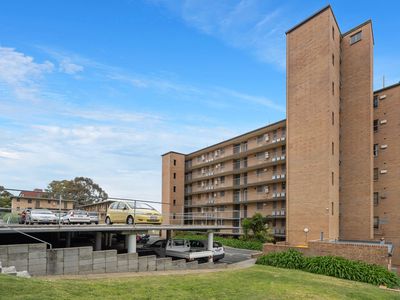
(258, 282)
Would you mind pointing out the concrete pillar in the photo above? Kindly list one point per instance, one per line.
(131, 242)
(109, 240)
(67, 239)
(98, 241)
(169, 234)
(210, 243)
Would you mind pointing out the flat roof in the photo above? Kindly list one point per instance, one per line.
(42, 198)
(7, 229)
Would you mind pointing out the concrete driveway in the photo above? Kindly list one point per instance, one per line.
(234, 255)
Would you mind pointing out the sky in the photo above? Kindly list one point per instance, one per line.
(101, 89)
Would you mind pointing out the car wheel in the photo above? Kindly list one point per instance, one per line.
(129, 220)
(108, 221)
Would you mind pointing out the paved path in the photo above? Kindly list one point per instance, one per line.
(234, 255)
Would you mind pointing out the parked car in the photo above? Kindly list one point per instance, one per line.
(40, 216)
(60, 216)
(131, 212)
(218, 249)
(76, 217)
(22, 217)
(94, 217)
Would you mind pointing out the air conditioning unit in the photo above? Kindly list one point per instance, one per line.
(274, 140)
(216, 153)
(274, 213)
(266, 155)
(203, 171)
(283, 194)
(274, 195)
(202, 184)
(266, 190)
(278, 158)
(278, 176)
(216, 182)
(278, 140)
(273, 176)
(383, 146)
(215, 194)
(283, 157)
(383, 171)
(218, 166)
(203, 158)
(383, 122)
(274, 159)
(283, 138)
(266, 137)
(382, 97)
(283, 175)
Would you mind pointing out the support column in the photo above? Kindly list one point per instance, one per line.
(109, 240)
(169, 234)
(98, 241)
(131, 242)
(210, 243)
(67, 239)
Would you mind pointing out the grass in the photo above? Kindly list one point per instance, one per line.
(258, 282)
(230, 242)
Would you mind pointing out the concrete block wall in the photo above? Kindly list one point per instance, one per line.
(38, 260)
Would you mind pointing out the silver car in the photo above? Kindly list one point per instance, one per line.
(76, 217)
(94, 217)
(41, 216)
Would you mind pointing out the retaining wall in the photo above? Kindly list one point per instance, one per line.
(38, 260)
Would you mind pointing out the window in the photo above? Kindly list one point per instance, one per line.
(260, 139)
(259, 172)
(283, 186)
(333, 88)
(333, 148)
(376, 122)
(174, 175)
(283, 150)
(18, 200)
(376, 101)
(376, 174)
(174, 202)
(332, 208)
(333, 178)
(222, 179)
(260, 189)
(260, 205)
(174, 216)
(174, 188)
(376, 222)
(222, 193)
(376, 198)
(29, 200)
(333, 33)
(355, 38)
(174, 162)
(333, 118)
(333, 59)
(376, 147)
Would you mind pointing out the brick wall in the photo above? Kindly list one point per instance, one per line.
(372, 254)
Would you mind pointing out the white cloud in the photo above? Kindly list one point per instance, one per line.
(21, 73)
(66, 66)
(253, 25)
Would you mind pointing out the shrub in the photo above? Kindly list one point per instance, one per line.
(290, 259)
(352, 270)
(332, 266)
(11, 218)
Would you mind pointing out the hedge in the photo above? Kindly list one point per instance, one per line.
(332, 266)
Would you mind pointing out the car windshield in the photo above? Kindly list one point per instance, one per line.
(41, 212)
(93, 214)
(139, 205)
(80, 212)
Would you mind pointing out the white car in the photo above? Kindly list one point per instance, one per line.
(76, 217)
(218, 250)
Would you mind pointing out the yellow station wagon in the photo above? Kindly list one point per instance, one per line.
(126, 212)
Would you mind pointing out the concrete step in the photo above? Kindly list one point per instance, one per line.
(9, 270)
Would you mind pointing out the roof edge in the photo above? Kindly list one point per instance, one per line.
(312, 17)
(172, 152)
(238, 136)
(358, 27)
(388, 87)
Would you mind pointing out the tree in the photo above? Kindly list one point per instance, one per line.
(81, 189)
(257, 226)
(5, 197)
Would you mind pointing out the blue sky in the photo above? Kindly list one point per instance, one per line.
(103, 88)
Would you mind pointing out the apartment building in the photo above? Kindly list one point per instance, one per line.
(330, 171)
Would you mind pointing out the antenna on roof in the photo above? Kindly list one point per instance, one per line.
(383, 81)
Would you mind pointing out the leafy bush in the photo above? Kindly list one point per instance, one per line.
(331, 266)
(353, 270)
(230, 242)
(290, 259)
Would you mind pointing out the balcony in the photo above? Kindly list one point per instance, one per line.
(279, 231)
(276, 214)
